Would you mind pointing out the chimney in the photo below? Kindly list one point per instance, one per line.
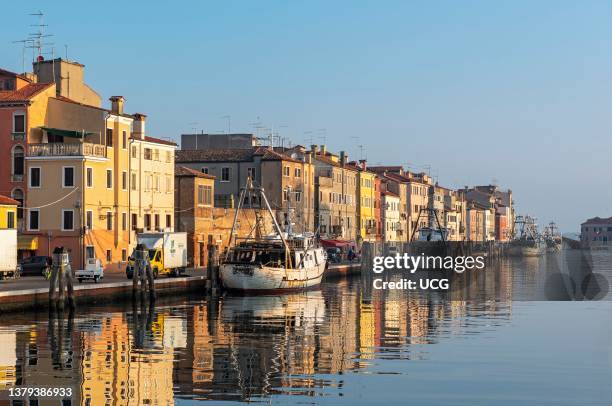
(343, 157)
(308, 157)
(314, 148)
(323, 150)
(363, 164)
(139, 126)
(117, 104)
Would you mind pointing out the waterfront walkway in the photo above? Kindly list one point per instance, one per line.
(32, 292)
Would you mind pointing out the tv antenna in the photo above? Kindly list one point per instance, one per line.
(23, 43)
(37, 38)
(229, 123)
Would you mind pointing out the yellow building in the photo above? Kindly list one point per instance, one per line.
(366, 192)
(8, 213)
(87, 188)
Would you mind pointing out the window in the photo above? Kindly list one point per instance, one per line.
(109, 137)
(90, 252)
(68, 176)
(251, 173)
(17, 194)
(109, 220)
(168, 184)
(157, 221)
(133, 181)
(18, 160)
(298, 197)
(124, 255)
(225, 174)
(134, 221)
(156, 183)
(89, 219)
(204, 170)
(109, 256)
(286, 171)
(134, 152)
(10, 219)
(297, 172)
(156, 154)
(204, 195)
(124, 139)
(33, 219)
(34, 177)
(147, 221)
(124, 180)
(19, 123)
(168, 220)
(148, 154)
(123, 221)
(285, 195)
(67, 220)
(89, 177)
(109, 178)
(168, 156)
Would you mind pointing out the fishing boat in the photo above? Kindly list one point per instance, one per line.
(528, 242)
(266, 263)
(552, 237)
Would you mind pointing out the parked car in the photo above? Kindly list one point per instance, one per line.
(35, 266)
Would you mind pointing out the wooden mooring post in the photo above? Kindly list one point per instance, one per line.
(142, 280)
(212, 267)
(61, 281)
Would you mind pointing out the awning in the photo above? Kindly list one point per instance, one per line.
(67, 133)
(27, 242)
(335, 243)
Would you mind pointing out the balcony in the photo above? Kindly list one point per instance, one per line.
(18, 136)
(58, 149)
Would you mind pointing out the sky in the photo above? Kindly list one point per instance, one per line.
(518, 93)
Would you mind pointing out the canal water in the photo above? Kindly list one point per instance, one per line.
(495, 340)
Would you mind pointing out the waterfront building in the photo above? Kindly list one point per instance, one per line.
(342, 221)
(8, 213)
(391, 216)
(499, 227)
(596, 231)
(366, 202)
(378, 216)
(288, 182)
(398, 186)
(194, 200)
(76, 166)
(151, 180)
(454, 214)
(476, 222)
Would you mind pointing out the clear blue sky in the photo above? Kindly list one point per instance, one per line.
(517, 91)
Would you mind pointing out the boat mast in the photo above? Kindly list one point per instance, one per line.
(231, 237)
(277, 228)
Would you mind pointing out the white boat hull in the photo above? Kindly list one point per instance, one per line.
(262, 278)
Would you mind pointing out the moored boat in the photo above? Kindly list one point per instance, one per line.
(280, 261)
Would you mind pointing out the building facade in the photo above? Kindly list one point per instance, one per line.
(391, 216)
(596, 231)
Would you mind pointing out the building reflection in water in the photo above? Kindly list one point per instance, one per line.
(252, 347)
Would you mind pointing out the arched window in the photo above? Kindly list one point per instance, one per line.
(17, 194)
(18, 160)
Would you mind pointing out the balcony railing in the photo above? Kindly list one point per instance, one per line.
(67, 149)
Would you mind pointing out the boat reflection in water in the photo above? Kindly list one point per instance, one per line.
(308, 346)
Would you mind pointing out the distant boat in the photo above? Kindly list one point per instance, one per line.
(281, 261)
(528, 241)
(552, 237)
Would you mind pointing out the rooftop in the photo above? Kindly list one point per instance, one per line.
(4, 200)
(25, 93)
(598, 220)
(188, 172)
(231, 155)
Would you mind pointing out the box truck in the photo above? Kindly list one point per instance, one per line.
(167, 253)
(8, 259)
